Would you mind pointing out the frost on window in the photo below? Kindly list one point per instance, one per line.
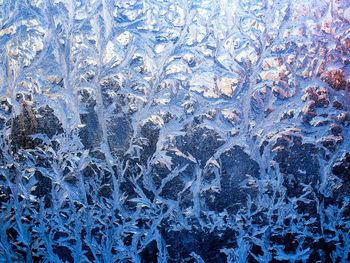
(174, 131)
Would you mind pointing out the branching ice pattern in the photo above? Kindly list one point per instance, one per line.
(174, 131)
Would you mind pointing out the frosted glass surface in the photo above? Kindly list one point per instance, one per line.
(174, 131)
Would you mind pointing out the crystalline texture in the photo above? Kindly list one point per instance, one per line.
(174, 131)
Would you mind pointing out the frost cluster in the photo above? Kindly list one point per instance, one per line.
(174, 131)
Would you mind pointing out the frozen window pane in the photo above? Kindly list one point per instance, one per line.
(174, 131)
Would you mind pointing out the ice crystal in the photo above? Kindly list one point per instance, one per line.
(174, 131)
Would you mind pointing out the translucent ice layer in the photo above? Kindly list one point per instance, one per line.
(174, 131)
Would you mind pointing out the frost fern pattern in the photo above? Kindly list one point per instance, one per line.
(174, 131)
